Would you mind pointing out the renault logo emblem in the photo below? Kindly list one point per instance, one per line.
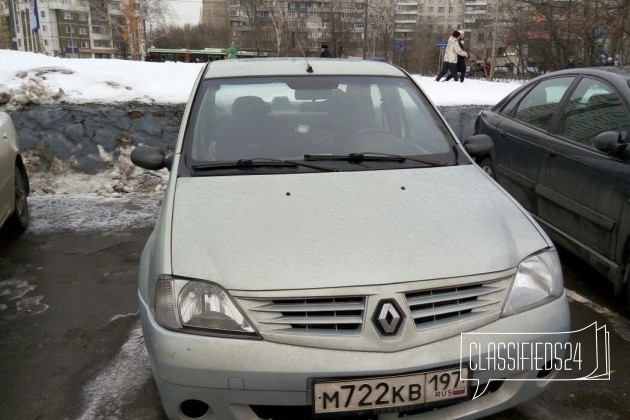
(388, 318)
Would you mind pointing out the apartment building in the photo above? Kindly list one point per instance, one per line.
(78, 28)
(309, 23)
(323, 20)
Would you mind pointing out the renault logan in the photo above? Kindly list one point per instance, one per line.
(324, 242)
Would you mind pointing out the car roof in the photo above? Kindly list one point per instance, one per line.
(297, 66)
(604, 71)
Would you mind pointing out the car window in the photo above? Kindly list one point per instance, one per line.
(539, 105)
(289, 117)
(594, 107)
(510, 106)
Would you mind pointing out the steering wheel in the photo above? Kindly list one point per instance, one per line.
(378, 141)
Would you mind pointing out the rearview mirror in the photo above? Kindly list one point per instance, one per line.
(478, 145)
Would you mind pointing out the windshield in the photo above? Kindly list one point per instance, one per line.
(288, 118)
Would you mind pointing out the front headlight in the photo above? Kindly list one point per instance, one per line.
(198, 307)
(538, 280)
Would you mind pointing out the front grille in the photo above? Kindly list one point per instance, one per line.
(337, 315)
(324, 318)
(430, 308)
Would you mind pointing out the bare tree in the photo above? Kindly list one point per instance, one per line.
(279, 15)
(340, 27)
(383, 24)
(126, 22)
(581, 29)
(258, 34)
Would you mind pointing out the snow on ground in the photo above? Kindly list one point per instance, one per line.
(36, 78)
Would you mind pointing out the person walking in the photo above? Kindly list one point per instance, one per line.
(461, 63)
(450, 56)
(325, 53)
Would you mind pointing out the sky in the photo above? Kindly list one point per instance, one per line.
(186, 11)
(106, 81)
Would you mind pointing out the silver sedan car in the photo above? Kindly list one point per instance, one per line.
(14, 185)
(327, 247)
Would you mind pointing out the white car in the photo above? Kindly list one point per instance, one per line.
(327, 247)
(14, 185)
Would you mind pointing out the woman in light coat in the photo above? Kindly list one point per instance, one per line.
(450, 56)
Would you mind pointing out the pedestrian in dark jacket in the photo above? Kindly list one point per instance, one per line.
(325, 53)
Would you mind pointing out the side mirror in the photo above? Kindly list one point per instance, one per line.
(478, 145)
(152, 158)
(610, 142)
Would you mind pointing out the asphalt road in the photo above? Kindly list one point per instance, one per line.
(71, 345)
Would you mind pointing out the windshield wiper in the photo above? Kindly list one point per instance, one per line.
(257, 162)
(374, 157)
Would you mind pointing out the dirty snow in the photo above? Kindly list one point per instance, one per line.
(120, 382)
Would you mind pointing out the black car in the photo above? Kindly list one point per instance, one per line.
(561, 148)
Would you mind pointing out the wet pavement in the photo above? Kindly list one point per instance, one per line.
(71, 346)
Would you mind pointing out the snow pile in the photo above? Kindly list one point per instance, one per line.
(123, 177)
(33, 89)
(29, 78)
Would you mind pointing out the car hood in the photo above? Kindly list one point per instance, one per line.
(269, 232)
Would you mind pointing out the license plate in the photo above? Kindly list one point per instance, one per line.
(389, 391)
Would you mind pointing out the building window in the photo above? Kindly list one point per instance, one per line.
(69, 30)
(83, 17)
(102, 43)
(43, 28)
(43, 13)
(67, 15)
(85, 44)
(83, 31)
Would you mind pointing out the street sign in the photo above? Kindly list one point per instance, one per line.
(440, 44)
(400, 45)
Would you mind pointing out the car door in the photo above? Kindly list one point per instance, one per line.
(581, 189)
(523, 138)
(6, 169)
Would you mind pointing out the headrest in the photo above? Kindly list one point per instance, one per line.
(247, 106)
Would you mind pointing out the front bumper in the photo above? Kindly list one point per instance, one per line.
(231, 375)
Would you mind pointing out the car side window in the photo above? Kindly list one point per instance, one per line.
(594, 107)
(508, 109)
(539, 105)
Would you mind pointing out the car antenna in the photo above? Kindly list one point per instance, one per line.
(309, 69)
